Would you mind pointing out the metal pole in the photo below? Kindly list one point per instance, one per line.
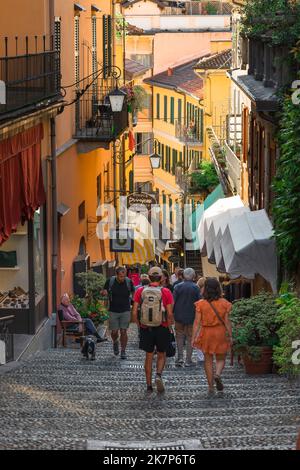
(54, 219)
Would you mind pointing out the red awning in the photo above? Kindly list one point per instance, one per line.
(21, 181)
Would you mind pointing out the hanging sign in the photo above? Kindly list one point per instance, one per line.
(140, 202)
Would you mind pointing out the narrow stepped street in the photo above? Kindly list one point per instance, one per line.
(58, 400)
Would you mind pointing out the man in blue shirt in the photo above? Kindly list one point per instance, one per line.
(185, 295)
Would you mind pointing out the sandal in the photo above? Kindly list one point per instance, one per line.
(219, 383)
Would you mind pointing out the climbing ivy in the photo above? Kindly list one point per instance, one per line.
(278, 19)
(286, 185)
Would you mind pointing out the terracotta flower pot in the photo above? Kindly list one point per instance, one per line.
(263, 366)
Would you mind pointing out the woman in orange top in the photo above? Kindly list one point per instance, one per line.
(212, 332)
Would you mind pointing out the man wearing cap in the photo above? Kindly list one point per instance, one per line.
(155, 337)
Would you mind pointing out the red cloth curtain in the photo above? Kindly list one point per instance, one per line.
(21, 180)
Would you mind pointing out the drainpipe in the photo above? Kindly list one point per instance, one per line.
(54, 221)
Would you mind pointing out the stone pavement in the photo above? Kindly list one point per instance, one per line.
(58, 400)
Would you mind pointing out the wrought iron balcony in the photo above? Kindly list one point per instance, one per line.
(95, 121)
(30, 75)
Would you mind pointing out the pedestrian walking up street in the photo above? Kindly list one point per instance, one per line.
(185, 295)
(212, 332)
(120, 290)
(156, 318)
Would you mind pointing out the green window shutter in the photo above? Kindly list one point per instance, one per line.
(131, 181)
(105, 46)
(164, 209)
(109, 40)
(179, 110)
(163, 156)
(165, 108)
(172, 110)
(180, 157)
(201, 125)
(157, 106)
(175, 156)
(171, 210)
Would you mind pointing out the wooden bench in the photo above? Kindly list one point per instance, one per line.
(72, 333)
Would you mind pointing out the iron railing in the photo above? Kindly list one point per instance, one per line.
(95, 120)
(31, 76)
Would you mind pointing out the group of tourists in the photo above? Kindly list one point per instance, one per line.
(160, 304)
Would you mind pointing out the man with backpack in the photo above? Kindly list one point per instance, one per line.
(156, 318)
(119, 289)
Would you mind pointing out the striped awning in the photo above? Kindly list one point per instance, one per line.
(143, 241)
(143, 253)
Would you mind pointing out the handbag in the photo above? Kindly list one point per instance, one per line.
(171, 349)
(8, 259)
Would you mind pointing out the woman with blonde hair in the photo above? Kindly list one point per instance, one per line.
(212, 332)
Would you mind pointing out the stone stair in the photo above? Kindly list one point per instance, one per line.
(58, 400)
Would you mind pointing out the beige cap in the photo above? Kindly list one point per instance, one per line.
(155, 271)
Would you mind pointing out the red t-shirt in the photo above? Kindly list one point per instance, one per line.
(167, 299)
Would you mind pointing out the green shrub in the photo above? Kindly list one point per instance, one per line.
(288, 320)
(254, 324)
(204, 180)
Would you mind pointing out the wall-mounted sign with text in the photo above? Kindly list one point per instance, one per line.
(140, 202)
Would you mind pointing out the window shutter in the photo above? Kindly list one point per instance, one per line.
(179, 111)
(165, 108)
(109, 38)
(105, 46)
(172, 110)
(157, 106)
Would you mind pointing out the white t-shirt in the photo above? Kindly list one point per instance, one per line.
(173, 278)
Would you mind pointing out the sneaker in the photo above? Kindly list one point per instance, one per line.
(123, 355)
(219, 383)
(179, 363)
(159, 384)
(189, 364)
(116, 348)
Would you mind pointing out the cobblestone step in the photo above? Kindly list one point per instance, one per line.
(57, 394)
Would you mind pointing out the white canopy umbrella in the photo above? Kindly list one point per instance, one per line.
(220, 207)
(248, 247)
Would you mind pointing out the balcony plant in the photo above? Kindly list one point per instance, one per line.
(204, 180)
(288, 320)
(255, 331)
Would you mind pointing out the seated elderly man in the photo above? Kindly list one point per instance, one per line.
(70, 314)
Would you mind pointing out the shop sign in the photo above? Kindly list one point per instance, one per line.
(122, 241)
(140, 202)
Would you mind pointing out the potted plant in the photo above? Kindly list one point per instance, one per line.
(255, 332)
(92, 306)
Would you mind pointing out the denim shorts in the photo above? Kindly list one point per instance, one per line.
(119, 321)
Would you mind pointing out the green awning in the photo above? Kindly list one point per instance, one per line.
(195, 217)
